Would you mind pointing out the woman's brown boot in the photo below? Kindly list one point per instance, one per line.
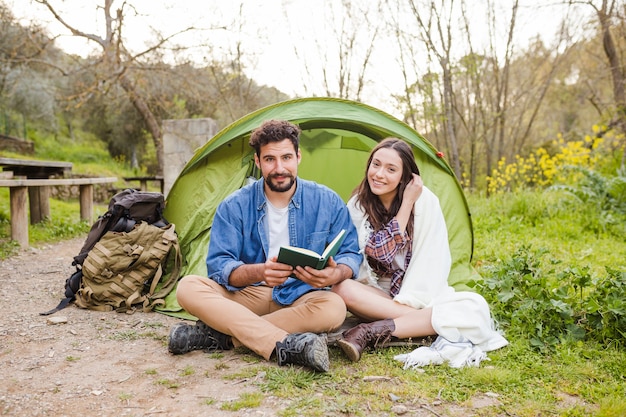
(356, 339)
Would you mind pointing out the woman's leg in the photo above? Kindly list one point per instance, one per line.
(372, 304)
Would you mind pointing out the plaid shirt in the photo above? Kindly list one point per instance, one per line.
(381, 249)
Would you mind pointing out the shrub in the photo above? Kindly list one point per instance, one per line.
(542, 167)
(572, 306)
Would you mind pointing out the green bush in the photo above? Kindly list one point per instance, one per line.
(530, 299)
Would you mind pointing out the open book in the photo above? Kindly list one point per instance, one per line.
(295, 256)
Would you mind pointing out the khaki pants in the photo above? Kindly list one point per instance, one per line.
(252, 318)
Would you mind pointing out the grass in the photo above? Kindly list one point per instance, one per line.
(245, 400)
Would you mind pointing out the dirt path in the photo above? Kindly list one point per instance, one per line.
(99, 363)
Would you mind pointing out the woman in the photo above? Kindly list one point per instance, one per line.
(402, 288)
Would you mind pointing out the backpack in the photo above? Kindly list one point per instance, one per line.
(125, 269)
(125, 210)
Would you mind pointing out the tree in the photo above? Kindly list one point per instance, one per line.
(116, 65)
(26, 89)
(436, 33)
(608, 14)
(479, 103)
(342, 65)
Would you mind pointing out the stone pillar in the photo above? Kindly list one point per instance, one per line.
(181, 139)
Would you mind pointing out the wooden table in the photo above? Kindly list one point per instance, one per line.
(19, 195)
(35, 169)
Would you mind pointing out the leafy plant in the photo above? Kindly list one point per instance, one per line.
(604, 315)
(607, 194)
(549, 307)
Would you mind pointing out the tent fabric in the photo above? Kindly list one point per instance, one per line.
(337, 136)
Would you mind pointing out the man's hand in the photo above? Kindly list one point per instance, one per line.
(320, 278)
(276, 273)
(270, 272)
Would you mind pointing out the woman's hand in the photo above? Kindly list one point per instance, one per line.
(413, 190)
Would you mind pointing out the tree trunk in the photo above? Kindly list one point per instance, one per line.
(450, 129)
(154, 127)
(617, 72)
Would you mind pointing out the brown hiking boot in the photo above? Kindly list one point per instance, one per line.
(356, 339)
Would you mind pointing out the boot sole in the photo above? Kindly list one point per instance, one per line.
(348, 348)
(319, 359)
(174, 346)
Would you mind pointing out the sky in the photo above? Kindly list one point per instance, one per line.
(271, 32)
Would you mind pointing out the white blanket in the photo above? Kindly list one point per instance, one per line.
(456, 316)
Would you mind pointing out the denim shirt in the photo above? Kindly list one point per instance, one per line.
(240, 234)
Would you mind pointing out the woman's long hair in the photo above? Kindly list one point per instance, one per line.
(370, 203)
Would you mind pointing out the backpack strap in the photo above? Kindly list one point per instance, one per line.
(157, 297)
(72, 285)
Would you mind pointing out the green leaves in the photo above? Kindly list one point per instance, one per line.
(549, 307)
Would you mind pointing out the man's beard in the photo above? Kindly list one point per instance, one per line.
(286, 186)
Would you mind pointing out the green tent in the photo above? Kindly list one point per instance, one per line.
(337, 136)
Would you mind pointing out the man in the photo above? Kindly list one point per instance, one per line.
(249, 298)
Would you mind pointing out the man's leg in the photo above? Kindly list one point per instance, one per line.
(316, 312)
(234, 313)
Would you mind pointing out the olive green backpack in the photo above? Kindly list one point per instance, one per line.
(125, 270)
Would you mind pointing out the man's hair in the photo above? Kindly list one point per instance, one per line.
(274, 131)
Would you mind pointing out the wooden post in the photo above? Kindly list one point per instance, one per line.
(44, 202)
(39, 202)
(86, 202)
(19, 215)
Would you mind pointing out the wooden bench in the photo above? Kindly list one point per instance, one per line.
(19, 200)
(143, 181)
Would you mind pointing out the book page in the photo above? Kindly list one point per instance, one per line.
(332, 244)
(303, 251)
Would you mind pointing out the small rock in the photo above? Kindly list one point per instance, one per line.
(393, 397)
(56, 320)
(399, 409)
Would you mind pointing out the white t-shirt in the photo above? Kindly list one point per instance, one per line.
(278, 227)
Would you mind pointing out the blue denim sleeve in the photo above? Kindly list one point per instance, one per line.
(225, 246)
